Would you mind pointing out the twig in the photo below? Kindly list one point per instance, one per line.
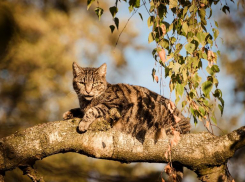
(32, 174)
(135, 11)
(2, 174)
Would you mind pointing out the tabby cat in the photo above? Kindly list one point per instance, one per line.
(143, 113)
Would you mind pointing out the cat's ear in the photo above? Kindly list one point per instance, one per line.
(102, 70)
(76, 69)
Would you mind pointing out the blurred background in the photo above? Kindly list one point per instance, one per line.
(40, 39)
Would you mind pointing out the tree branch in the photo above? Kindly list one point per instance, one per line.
(32, 174)
(197, 151)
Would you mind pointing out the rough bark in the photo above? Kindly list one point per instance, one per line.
(203, 152)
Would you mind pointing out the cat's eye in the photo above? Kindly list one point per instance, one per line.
(95, 84)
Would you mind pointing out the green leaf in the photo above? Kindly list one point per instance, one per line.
(184, 103)
(190, 47)
(116, 20)
(209, 70)
(112, 27)
(113, 11)
(202, 111)
(172, 40)
(179, 89)
(141, 16)
(221, 108)
(221, 101)
(217, 93)
(134, 3)
(195, 120)
(216, 33)
(216, 24)
(150, 21)
(218, 52)
(215, 68)
(202, 14)
(153, 73)
(130, 8)
(173, 4)
(214, 118)
(201, 38)
(99, 11)
(165, 43)
(207, 87)
(89, 3)
(225, 8)
(150, 38)
(185, 27)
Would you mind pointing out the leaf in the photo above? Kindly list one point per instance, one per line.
(225, 8)
(165, 43)
(215, 68)
(173, 4)
(99, 11)
(150, 21)
(221, 108)
(208, 69)
(175, 140)
(171, 106)
(214, 118)
(112, 27)
(222, 101)
(89, 3)
(217, 93)
(116, 20)
(156, 78)
(150, 38)
(113, 11)
(153, 73)
(163, 28)
(190, 47)
(201, 38)
(162, 55)
(141, 16)
(176, 67)
(202, 14)
(130, 8)
(216, 24)
(216, 33)
(134, 3)
(207, 124)
(185, 27)
(179, 89)
(207, 87)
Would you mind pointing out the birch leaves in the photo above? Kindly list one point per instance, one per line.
(183, 47)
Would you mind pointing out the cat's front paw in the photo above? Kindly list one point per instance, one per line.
(67, 115)
(83, 126)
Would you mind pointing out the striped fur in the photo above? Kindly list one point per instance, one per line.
(143, 113)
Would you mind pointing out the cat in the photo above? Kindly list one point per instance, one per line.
(141, 112)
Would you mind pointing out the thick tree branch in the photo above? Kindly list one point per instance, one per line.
(198, 151)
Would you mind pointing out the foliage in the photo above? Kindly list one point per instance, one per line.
(189, 42)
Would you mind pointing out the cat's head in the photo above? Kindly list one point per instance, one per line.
(89, 83)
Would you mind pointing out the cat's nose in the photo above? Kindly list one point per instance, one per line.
(88, 88)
